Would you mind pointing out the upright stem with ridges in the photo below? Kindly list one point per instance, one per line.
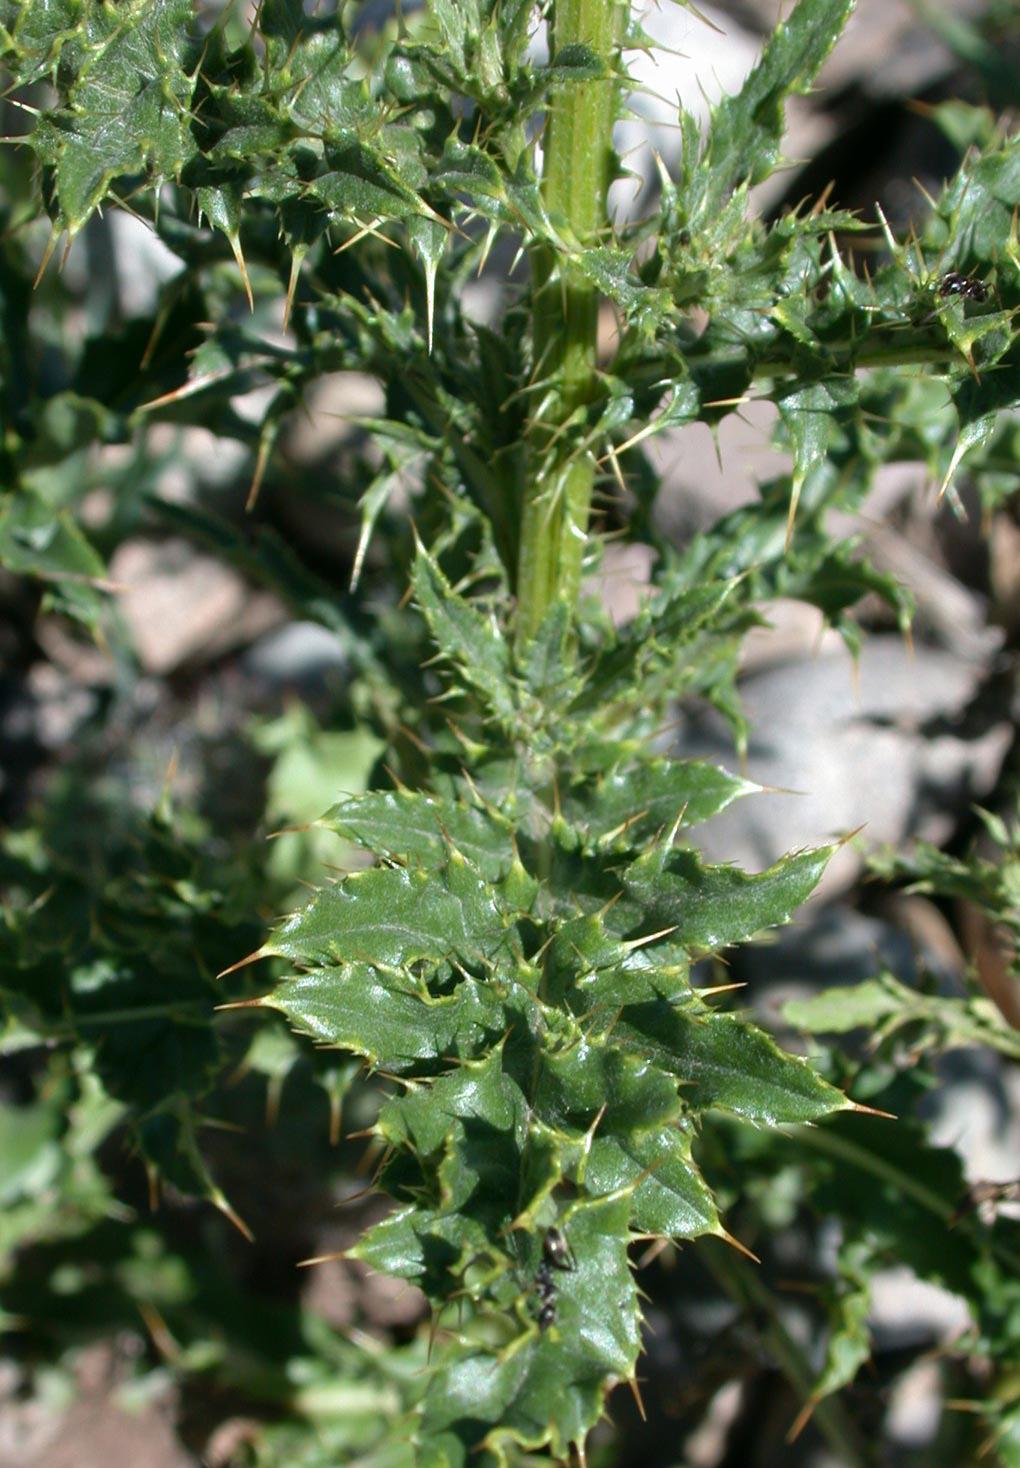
(575, 179)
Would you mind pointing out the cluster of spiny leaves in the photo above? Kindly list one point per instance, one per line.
(519, 959)
(519, 962)
(300, 139)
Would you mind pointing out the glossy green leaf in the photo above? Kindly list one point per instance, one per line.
(392, 918)
(477, 1117)
(599, 1081)
(723, 1061)
(671, 1198)
(550, 1389)
(127, 110)
(710, 907)
(389, 1019)
(637, 802)
(423, 830)
(479, 1091)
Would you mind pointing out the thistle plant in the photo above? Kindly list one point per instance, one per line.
(517, 962)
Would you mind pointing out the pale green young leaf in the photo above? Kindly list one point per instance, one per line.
(835, 1011)
(884, 1005)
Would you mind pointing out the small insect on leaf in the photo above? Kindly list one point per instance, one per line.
(545, 1288)
(557, 1251)
(556, 1254)
(955, 284)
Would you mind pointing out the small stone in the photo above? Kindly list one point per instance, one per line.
(182, 605)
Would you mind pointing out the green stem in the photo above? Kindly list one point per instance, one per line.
(897, 349)
(575, 179)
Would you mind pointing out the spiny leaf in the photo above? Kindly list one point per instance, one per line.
(747, 129)
(423, 830)
(548, 668)
(472, 642)
(170, 1148)
(417, 1244)
(727, 1063)
(809, 414)
(671, 1198)
(637, 802)
(430, 239)
(477, 1119)
(388, 1018)
(127, 108)
(710, 907)
(427, 1114)
(661, 630)
(549, 1390)
(594, 1080)
(393, 918)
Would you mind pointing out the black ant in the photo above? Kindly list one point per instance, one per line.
(556, 1254)
(546, 1297)
(955, 284)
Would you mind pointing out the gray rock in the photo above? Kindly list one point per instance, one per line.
(907, 1311)
(183, 606)
(881, 747)
(976, 1110)
(299, 654)
(831, 945)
